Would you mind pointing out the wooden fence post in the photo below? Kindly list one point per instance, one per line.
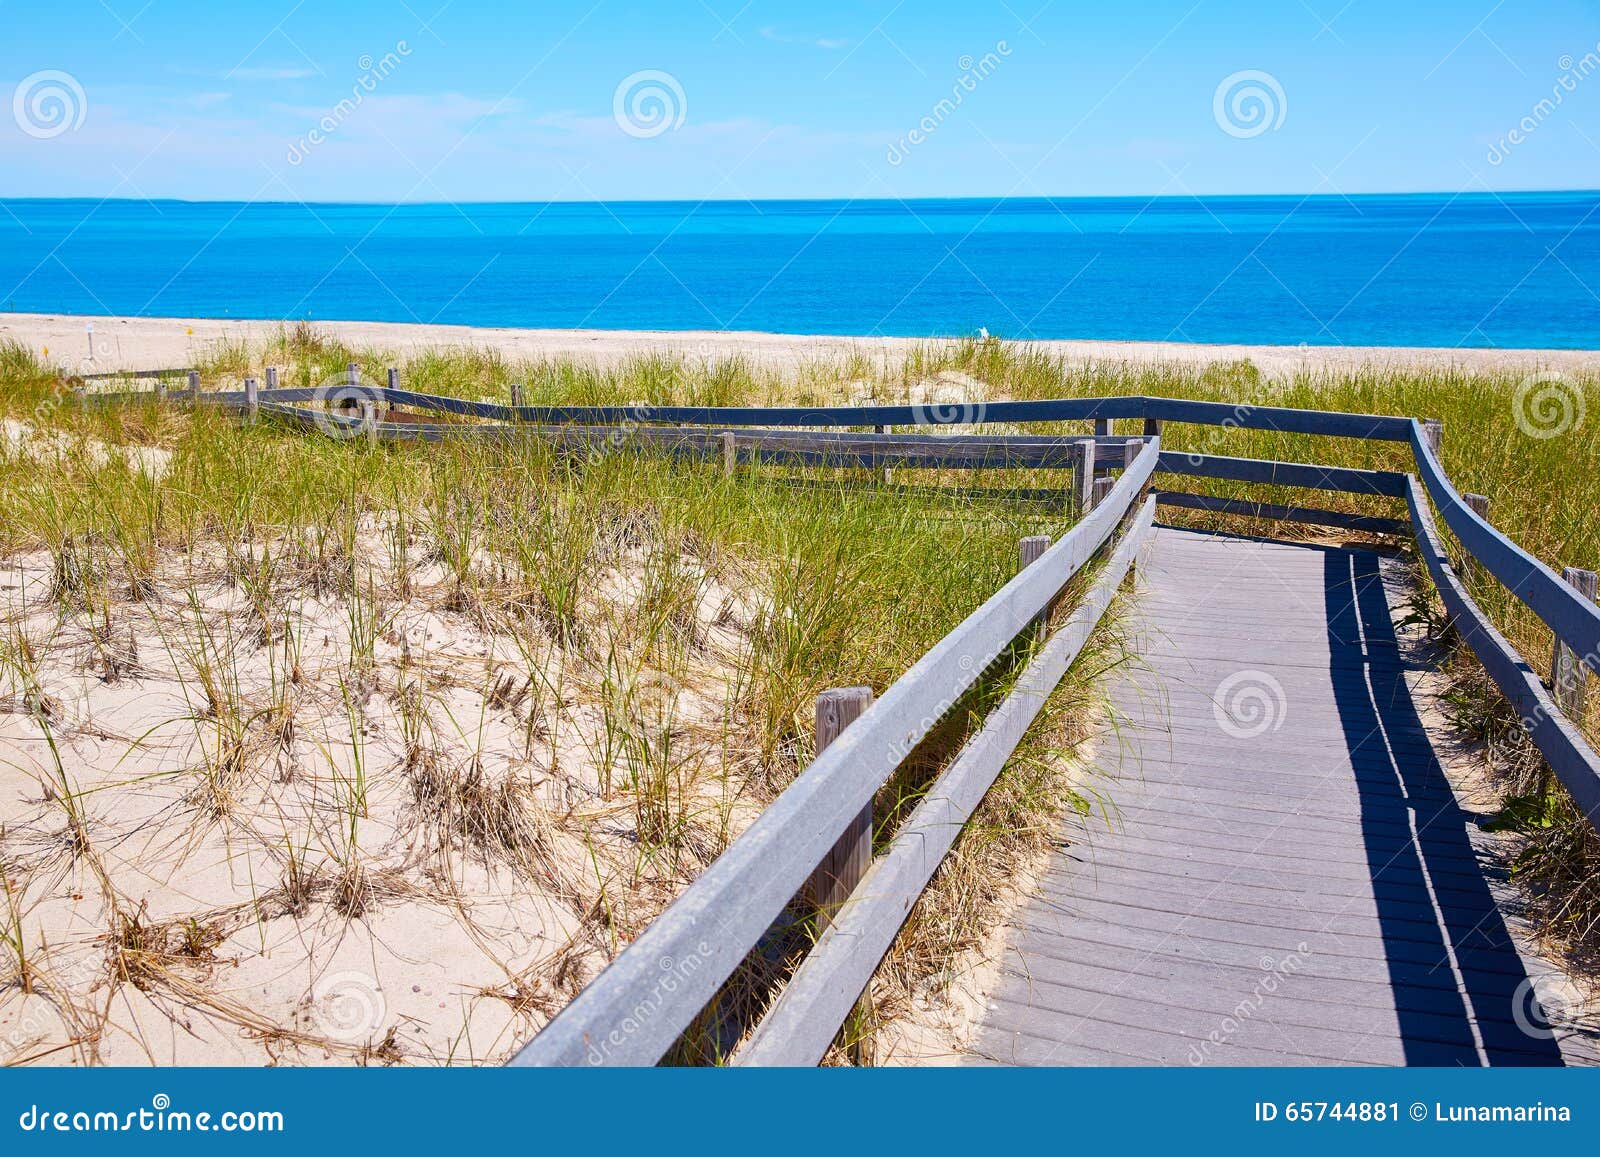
(252, 401)
(888, 471)
(1152, 427)
(516, 394)
(844, 865)
(1569, 678)
(1103, 427)
(81, 393)
(194, 385)
(369, 421)
(352, 374)
(1083, 478)
(730, 456)
(836, 877)
(1102, 487)
(272, 377)
(1433, 434)
(1472, 569)
(1029, 551)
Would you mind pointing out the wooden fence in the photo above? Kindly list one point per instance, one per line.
(635, 1010)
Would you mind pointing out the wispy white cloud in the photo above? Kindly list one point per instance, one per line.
(266, 73)
(831, 43)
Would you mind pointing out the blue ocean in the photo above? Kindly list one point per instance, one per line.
(1508, 270)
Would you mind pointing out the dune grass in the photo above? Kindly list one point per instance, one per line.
(664, 625)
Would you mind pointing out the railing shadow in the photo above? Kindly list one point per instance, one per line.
(1455, 974)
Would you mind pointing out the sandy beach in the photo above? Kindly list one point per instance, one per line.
(132, 343)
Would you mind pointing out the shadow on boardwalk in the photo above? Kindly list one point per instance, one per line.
(1298, 887)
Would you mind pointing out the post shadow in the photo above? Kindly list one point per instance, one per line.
(1452, 964)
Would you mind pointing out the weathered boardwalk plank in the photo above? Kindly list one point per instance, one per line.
(1288, 878)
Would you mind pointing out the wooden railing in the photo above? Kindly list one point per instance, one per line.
(635, 1010)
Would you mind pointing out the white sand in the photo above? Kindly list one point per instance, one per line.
(128, 343)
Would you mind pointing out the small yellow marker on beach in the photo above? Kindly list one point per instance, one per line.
(190, 330)
(46, 351)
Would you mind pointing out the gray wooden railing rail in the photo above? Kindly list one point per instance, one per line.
(801, 1023)
(635, 1010)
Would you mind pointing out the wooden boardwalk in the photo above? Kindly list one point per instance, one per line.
(1288, 878)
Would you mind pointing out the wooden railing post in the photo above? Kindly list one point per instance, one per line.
(1152, 427)
(272, 377)
(194, 385)
(836, 877)
(1102, 487)
(252, 401)
(352, 374)
(1083, 478)
(842, 868)
(730, 459)
(516, 394)
(369, 421)
(81, 393)
(1029, 551)
(888, 471)
(1433, 434)
(1471, 568)
(1569, 678)
(1103, 427)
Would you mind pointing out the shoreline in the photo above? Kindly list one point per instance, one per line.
(132, 343)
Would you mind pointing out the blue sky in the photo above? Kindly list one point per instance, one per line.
(429, 100)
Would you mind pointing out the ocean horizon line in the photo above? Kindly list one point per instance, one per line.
(1040, 198)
